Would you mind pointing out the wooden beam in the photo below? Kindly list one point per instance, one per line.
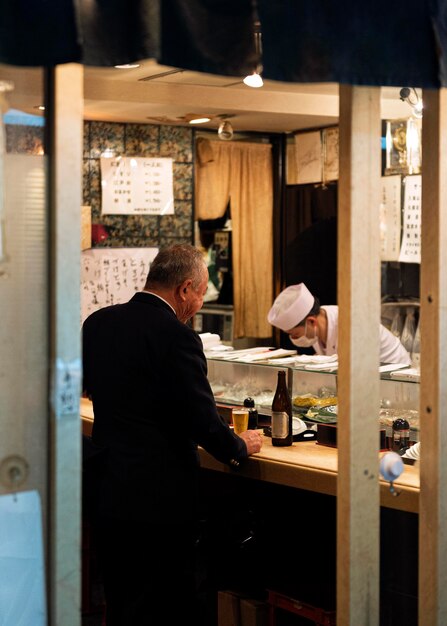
(65, 104)
(358, 348)
(433, 418)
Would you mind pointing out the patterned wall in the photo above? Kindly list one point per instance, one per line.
(144, 140)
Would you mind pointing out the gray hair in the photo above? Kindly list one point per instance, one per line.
(175, 264)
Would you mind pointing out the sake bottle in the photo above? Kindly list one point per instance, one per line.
(282, 434)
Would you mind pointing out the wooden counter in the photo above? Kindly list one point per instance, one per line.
(304, 465)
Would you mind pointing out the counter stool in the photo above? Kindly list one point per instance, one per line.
(277, 600)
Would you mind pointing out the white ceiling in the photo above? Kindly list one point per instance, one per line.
(154, 94)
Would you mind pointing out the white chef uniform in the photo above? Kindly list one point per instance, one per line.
(391, 349)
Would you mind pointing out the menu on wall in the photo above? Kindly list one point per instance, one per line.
(135, 185)
(330, 154)
(112, 275)
(308, 157)
(390, 218)
(410, 250)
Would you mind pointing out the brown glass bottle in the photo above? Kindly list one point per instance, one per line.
(282, 434)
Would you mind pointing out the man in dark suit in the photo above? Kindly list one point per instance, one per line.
(146, 373)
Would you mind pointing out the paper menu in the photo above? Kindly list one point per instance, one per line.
(410, 251)
(390, 218)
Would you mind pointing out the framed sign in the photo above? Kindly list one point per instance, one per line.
(133, 185)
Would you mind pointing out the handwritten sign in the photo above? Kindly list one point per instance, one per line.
(112, 275)
(330, 159)
(390, 218)
(410, 250)
(308, 157)
(132, 185)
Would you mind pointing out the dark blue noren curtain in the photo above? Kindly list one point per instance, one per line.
(361, 42)
(38, 32)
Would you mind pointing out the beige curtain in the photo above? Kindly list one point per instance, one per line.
(291, 165)
(243, 173)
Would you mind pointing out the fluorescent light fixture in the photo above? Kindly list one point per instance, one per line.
(253, 80)
(127, 66)
(199, 120)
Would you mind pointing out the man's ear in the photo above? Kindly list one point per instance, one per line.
(183, 288)
(312, 319)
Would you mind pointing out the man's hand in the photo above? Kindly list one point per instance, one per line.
(253, 440)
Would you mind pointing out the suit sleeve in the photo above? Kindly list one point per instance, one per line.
(199, 417)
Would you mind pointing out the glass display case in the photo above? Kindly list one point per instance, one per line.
(233, 381)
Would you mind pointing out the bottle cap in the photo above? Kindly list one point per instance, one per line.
(401, 424)
(249, 402)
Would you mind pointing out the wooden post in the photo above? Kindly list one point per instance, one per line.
(65, 100)
(358, 348)
(433, 417)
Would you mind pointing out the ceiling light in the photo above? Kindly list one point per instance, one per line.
(225, 131)
(6, 85)
(199, 120)
(410, 95)
(127, 66)
(40, 107)
(253, 80)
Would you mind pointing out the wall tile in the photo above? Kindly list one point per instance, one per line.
(105, 135)
(182, 173)
(11, 138)
(142, 140)
(24, 139)
(86, 181)
(170, 241)
(86, 136)
(176, 142)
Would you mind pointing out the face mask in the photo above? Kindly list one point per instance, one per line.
(305, 341)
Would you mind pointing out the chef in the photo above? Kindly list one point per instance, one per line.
(299, 314)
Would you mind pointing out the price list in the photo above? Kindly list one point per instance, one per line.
(410, 250)
(135, 185)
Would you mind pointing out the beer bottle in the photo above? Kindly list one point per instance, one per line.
(282, 434)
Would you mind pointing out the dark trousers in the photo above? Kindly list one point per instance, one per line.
(148, 572)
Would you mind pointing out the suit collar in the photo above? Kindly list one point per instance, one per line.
(152, 298)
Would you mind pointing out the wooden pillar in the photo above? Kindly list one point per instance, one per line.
(358, 348)
(433, 417)
(65, 118)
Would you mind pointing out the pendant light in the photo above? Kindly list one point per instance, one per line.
(255, 79)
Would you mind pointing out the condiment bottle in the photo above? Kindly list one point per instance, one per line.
(282, 434)
(401, 435)
(249, 403)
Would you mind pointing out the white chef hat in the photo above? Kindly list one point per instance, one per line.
(292, 305)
